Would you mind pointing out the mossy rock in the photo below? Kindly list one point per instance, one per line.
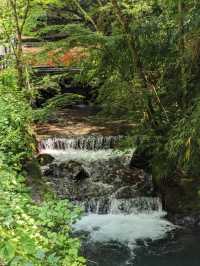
(45, 159)
(181, 195)
(32, 168)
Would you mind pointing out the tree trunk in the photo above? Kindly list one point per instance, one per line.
(19, 50)
(19, 62)
(183, 87)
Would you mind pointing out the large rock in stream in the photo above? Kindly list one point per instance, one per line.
(181, 199)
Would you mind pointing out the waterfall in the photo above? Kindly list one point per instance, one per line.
(83, 148)
(117, 210)
(124, 221)
(122, 206)
(79, 143)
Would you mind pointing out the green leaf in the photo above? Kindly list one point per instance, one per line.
(8, 250)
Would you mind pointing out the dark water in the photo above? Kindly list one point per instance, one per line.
(182, 249)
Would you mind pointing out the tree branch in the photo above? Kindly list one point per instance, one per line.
(85, 14)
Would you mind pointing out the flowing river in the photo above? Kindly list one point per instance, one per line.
(117, 229)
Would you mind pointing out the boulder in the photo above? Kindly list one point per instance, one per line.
(45, 159)
(70, 170)
(85, 180)
(141, 159)
(32, 168)
(127, 192)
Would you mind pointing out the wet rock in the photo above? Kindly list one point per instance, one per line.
(73, 170)
(84, 180)
(34, 179)
(141, 159)
(187, 221)
(180, 197)
(76, 191)
(82, 175)
(69, 170)
(32, 168)
(45, 159)
(127, 192)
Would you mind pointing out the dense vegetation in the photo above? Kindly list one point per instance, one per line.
(32, 233)
(142, 58)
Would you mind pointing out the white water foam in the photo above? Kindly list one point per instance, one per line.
(82, 155)
(88, 149)
(143, 219)
(126, 229)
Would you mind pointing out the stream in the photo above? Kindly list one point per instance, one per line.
(124, 222)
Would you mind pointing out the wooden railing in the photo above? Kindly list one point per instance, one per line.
(48, 70)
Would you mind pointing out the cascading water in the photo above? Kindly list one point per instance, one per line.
(81, 143)
(123, 223)
(122, 206)
(113, 224)
(85, 148)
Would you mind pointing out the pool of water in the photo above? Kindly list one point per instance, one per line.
(178, 249)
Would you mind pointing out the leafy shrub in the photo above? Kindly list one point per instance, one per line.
(56, 103)
(31, 234)
(16, 136)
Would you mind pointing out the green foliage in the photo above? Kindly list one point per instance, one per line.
(16, 136)
(63, 100)
(183, 144)
(56, 103)
(143, 57)
(34, 234)
(167, 110)
(30, 233)
(35, 20)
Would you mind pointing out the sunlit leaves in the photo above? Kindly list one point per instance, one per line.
(31, 234)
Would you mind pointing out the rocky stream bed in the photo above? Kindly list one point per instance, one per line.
(124, 221)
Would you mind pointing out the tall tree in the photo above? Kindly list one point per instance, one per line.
(13, 16)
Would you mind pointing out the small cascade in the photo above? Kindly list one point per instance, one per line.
(122, 206)
(83, 148)
(120, 211)
(80, 143)
(135, 205)
(125, 222)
